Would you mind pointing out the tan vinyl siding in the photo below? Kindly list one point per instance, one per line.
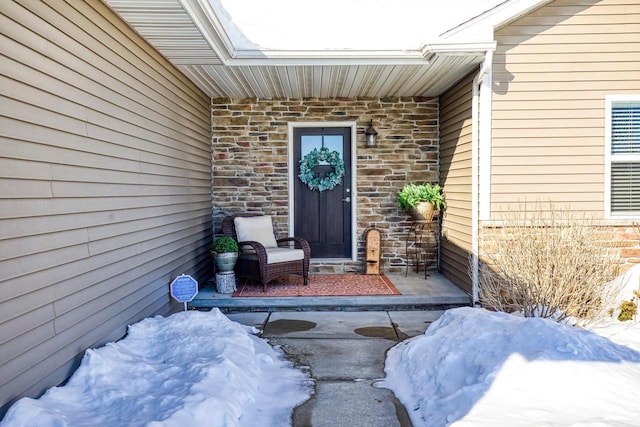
(455, 176)
(105, 172)
(552, 70)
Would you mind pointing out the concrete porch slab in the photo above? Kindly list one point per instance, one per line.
(255, 319)
(417, 293)
(413, 323)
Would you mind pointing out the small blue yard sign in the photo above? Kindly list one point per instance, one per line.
(184, 288)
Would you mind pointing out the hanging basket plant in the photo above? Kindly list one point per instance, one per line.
(313, 159)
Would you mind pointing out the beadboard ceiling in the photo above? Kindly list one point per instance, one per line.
(192, 35)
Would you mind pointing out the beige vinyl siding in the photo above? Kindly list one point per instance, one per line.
(455, 176)
(552, 70)
(105, 172)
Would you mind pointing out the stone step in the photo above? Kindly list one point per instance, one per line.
(362, 303)
(434, 293)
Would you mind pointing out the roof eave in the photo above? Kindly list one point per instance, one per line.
(484, 25)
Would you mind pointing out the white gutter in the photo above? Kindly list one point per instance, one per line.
(482, 78)
(422, 56)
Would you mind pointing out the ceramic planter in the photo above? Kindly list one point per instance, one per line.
(225, 261)
(422, 212)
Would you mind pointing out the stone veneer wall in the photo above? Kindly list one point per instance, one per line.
(250, 161)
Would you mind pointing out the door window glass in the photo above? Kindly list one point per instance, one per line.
(310, 142)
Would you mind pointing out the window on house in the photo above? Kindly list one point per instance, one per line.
(623, 149)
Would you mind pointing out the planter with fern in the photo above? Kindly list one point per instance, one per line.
(421, 201)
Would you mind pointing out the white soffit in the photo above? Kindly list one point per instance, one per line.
(287, 49)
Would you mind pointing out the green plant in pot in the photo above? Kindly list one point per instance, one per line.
(225, 253)
(420, 200)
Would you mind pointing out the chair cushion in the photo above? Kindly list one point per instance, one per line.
(256, 228)
(275, 255)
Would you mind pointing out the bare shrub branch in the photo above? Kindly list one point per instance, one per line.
(548, 263)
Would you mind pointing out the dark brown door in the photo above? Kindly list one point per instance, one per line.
(323, 217)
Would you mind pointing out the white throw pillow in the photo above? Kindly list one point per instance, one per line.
(256, 228)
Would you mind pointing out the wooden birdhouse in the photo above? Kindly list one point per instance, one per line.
(373, 243)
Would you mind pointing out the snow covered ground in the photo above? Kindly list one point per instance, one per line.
(471, 368)
(159, 375)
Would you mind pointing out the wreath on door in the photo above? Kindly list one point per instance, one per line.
(313, 159)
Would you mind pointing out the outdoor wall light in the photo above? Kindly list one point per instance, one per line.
(372, 135)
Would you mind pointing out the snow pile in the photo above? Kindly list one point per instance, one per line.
(192, 368)
(473, 367)
(288, 26)
(625, 333)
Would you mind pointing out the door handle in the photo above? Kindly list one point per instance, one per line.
(348, 200)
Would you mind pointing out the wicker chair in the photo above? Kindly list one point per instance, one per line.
(289, 255)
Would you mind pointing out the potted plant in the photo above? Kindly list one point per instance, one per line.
(421, 200)
(225, 253)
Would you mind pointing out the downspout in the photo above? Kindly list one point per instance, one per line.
(475, 178)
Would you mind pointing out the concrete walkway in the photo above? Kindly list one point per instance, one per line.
(345, 352)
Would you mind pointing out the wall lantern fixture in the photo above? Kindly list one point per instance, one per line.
(372, 135)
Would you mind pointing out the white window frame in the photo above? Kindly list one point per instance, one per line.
(609, 158)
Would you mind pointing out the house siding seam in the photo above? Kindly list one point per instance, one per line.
(455, 177)
(105, 186)
(250, 153)
(551, 73)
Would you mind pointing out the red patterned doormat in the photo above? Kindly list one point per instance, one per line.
(319, 285)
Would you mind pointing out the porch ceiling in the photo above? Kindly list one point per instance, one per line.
(201, 39)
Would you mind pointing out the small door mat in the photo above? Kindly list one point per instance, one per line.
(319, 285)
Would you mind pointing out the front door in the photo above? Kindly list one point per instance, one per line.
(323, 217)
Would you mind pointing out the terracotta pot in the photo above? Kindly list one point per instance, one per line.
(225, 261)
(422, 212)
